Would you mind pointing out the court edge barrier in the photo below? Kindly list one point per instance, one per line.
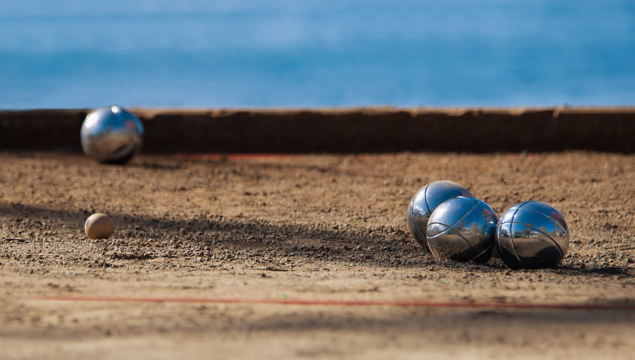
(359, 130)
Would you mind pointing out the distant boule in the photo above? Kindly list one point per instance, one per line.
(111, 135)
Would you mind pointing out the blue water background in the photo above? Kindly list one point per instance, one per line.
(326, 53)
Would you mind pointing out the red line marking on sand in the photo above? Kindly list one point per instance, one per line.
(347, 303)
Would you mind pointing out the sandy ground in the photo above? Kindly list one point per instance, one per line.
(305, 227)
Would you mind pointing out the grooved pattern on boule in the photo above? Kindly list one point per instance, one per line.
(462, 229)
(532, 235)
(425, 201)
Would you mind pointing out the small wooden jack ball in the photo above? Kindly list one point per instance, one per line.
(98, 226)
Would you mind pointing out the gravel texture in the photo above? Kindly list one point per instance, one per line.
(305, 227)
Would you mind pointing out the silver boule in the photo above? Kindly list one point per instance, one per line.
(425, 201)
(532, 235)
(111, 135)
(462, 229)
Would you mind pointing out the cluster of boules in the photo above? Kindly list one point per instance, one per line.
(447, 220)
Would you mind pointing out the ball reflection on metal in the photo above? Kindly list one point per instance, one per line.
(532, 235)
(462, 229)
(111, 135)
(425, 201)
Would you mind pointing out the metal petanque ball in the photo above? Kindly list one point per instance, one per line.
(425, 201)
(111, 135)
(532, 235)
(462, 229)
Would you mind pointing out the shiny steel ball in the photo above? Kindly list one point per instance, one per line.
(532, 235)
(425, 201)
(111, 135)
(462, 229)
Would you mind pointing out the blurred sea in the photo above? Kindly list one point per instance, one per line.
(326, 53)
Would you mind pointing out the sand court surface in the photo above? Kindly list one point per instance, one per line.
(303, 227)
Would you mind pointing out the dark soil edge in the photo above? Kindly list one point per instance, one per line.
(366, 130)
